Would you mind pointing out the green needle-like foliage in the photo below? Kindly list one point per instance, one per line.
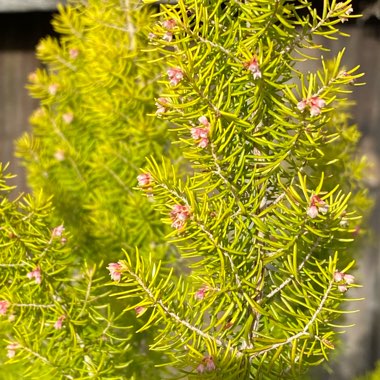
(233, 266)
(56, 321)
(270, 211)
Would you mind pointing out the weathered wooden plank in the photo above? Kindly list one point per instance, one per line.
(28, 5)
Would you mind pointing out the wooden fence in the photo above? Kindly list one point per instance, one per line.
(361, 348)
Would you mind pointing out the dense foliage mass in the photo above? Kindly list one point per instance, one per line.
(233, 258)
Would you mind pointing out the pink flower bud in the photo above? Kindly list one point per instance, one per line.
(36, 274)
(200, 293)
(253, 66)
(312, 211)
(59, 155)
(144, 179)
(301, 105)
(209, 363)
(317, 102)
(338, 276)
(53, 88)
(203, 143)
(342, 288)
(315, 111)
(169, 24)
(139, 310)
(73, 53)
(175, 76)
(59, 322)
(179, 216)
(204, 121)
(58, 231)
(201, 368)
(12, 350)
(115, 270)
(168, 36)
(68, 117)
(161, 106)
(4, 307)
(348, 279)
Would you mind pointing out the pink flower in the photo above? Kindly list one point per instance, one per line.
(68, 117)
(349, 279)
(302, 105)
(312, 211)
(139, 310)
(144, 179)
(4, 307)
(58, 231)
(175, 76)
(203, 143)
(204, 121)
(317, 205)
(168, 36)
(36, 274)
(12, 347)
(207, 364)
(338, 276)
(161, 106)
(201, 133)
(200, 293)
(342, 288)
(253, 66)
(73, 53)
(151, 36)
(344, 279)
(315, 111)
(115, 270)
(58, 323)
(59, 155)
(169, 24)
(201, 368)
(179, 216)
(53, 88)
(314, 103)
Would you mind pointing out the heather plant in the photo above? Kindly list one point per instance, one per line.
(229, 255)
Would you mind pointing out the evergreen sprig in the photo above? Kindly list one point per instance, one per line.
(245, 274)
(263, 219)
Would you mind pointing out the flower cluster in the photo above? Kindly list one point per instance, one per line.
(343, 279)
(175, 75)
(201, 133)
(169, 25)
(207, 365)
(314, 104)
(36, 274)
(347, 12)
(179, 216)
(253, 66)
(12, 347)
(316, 206)
(115, 270)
